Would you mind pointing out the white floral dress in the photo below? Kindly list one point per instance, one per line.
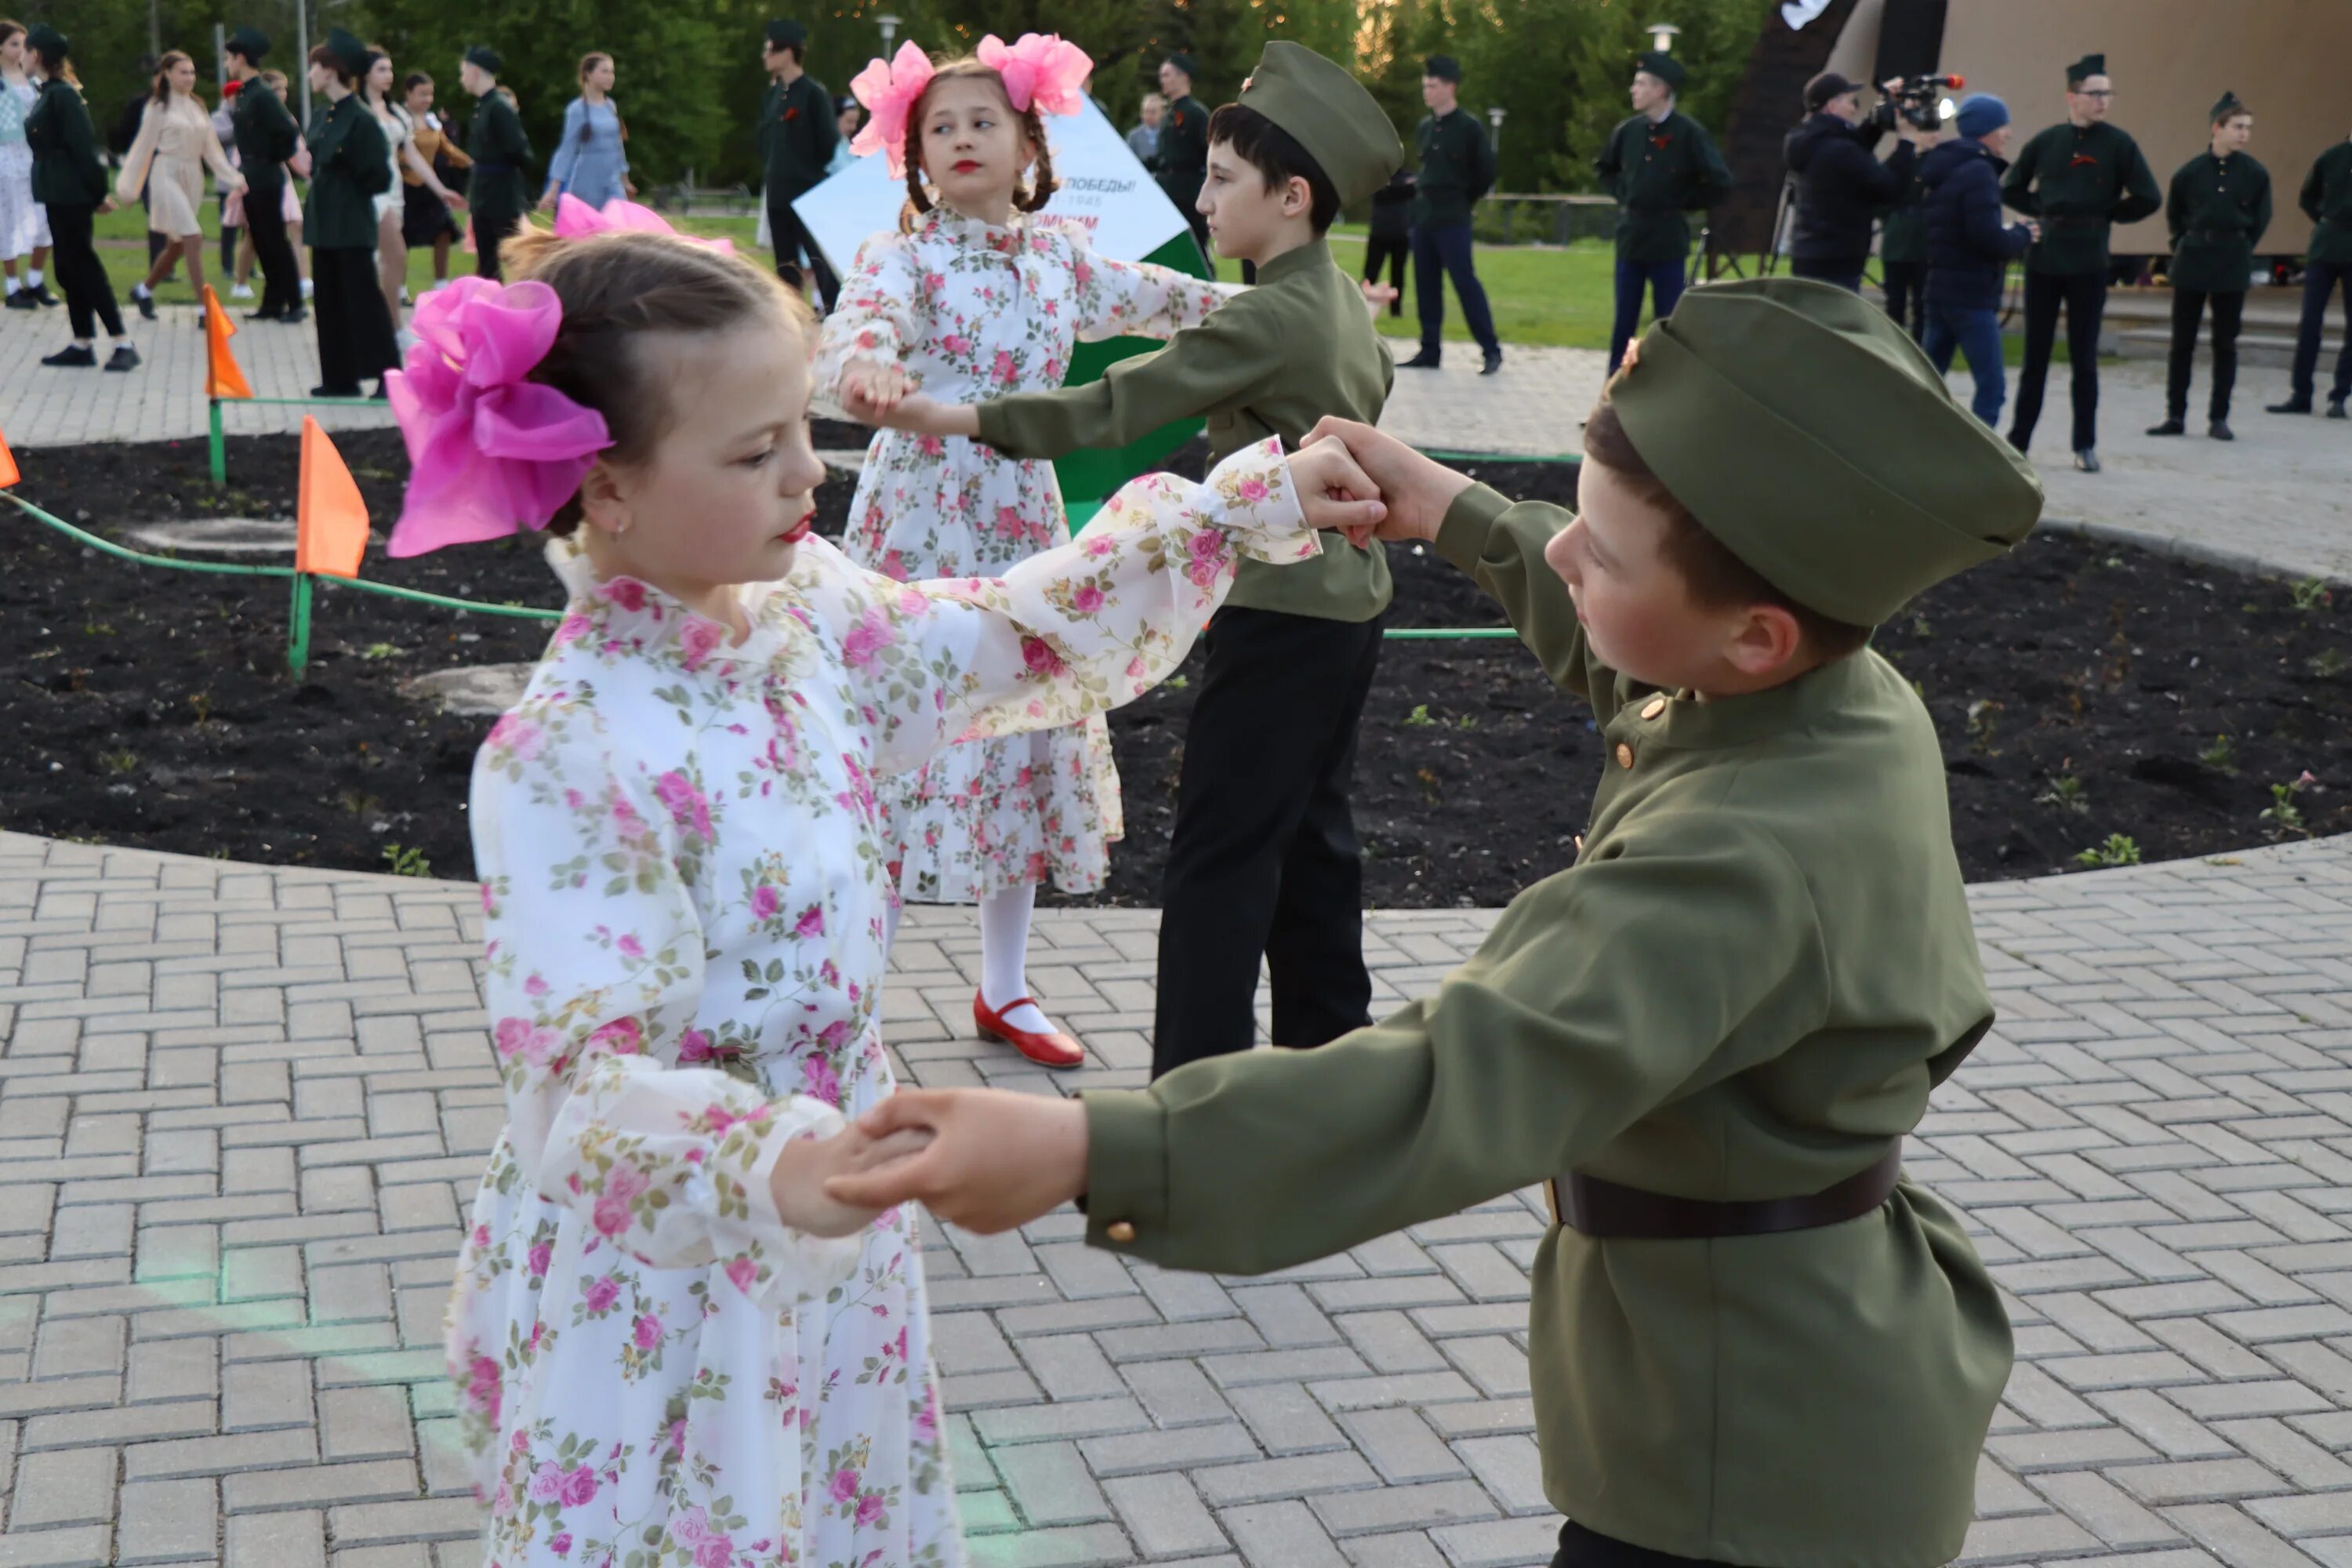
(683, 880)
(976, 311)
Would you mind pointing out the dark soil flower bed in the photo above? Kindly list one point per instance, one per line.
(2088, 693)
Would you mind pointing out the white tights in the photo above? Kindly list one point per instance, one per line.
(1004, 918)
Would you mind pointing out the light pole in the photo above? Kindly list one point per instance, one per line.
(890, 25)
(1662, 37)
(1494, 118)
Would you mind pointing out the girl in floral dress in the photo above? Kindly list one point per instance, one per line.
(974, 299)
(660, 1358)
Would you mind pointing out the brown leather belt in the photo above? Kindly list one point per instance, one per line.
(1607, 1212)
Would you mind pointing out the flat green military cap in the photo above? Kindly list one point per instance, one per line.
(2087, 66)
(350, 55)
(1663, 66)
(1806, 431)
(250, 42)
(481, 57)
(786, 34)
(1326, 110)
(47, 40)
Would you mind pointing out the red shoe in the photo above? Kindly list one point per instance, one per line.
(1048, 1051)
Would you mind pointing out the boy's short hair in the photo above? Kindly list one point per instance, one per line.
(1276, 155)
(1717, 579)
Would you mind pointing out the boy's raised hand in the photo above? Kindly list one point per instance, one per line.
(994, 1160)
(797, 1180)
(1334, 491)
(1416, 491)
(870, 390)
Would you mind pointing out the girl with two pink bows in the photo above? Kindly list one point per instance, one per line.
(973, 298)
(668, 1346)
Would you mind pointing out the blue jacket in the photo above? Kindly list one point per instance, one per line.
(1969, 250)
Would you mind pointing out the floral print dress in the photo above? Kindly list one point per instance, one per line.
(683, 883)
(976, 311)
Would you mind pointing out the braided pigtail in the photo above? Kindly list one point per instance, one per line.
(1042, 183)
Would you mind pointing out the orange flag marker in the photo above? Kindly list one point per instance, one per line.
(8, 474)
(223, 376)
(331, 530)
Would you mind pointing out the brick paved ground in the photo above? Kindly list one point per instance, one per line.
(240, 1109)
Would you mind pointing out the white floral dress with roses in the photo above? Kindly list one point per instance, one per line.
(684, 888)
(976, 311)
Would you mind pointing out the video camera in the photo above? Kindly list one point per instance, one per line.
(1919, 99)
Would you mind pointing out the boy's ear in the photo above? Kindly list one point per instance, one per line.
(1298, 196)
(1766, 639)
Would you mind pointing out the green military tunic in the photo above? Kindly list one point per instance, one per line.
(798, 132)
(496, 190)
(1902, 233)
(1657, 172)
(1183, 163)
(2079, 180)
(1244, 369)
(2216, 210)
(66, 170)
(2326, 200)
(1747, 985)
(1457, 167)
(350, 167)
(265, 135)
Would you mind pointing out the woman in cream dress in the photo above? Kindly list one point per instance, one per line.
(176, 142)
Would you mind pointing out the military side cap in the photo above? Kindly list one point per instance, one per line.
(2087, 66)
(1184, 62)
(350, 55)
(1444, 68)
(47, 40)
(1665, 66)
(786, 35)
(250, 42)
(1806, 431)
(1326, 110)
(484, 58)
(2229, 106)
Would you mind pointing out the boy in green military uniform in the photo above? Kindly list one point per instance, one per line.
(2219, 206)
(1658, 163)
(1456, 168)
(1183, 161)
(1751, 1341)
(798, 132)
(351, 165)
(2080, 179)
(1264, 863)
(495, 189)
(2326, 200)
(1903, 248)
(72, 184)
(265, 136)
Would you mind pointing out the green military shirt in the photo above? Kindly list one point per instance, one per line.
(2326, 200)
(2079, 180)
(1183, 159)
(496, 142)
(798, 132)
(1457, 167)
(2216, 210)
(1759, 967)
(264, 134)
(350, 167)
(67, 172)
(1246, 370)
(1657, 172)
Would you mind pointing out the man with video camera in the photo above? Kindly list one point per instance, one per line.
(1840, 181)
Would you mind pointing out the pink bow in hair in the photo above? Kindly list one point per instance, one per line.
(888, 89)
(489, 451)
(1043, 69)
(575, 219)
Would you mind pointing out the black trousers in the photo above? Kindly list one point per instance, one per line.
(1263, 861)
(281, 275)
(89, 297)
(2319, 281)
(1906, 283)
(1395, 251)
(1845, 271)
(791, 242)
(2084, 297)
(2188, 307)
(490, 232)
(355, 336)
(1582, 1548)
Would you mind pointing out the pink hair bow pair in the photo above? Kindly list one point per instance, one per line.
(489, 450)
(1043, 69)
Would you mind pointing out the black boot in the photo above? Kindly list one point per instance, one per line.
(2174, 424)
(2220, 430)
(2292, 406)
(1494, 362)
(2336, 408)
(1425, 360)
(2087, 459)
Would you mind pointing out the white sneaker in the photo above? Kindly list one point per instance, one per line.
(242, 291)
(306, 287)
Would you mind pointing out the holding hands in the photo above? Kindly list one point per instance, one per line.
(872, 392)
(982, 1158)
(802, 1171)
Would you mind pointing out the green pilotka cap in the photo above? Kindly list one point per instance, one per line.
(1663, 66)
(48, 41)
(2228, 107)
(1326, 110)
(250, 42)
(1806, 431)
(2085, 68)
(350, 55)
(481, 57)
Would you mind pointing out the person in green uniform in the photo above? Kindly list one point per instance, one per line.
(265, 137)
(1456, 168)
(2219, 206)
(2080, 179)
(798, 132)
(2326, 200)
(1263, 864)
(1751, 1341)
(495, 189)
(1183, 162)
(1903, 247)
(351, 165)
(69, 181)
(1659, 164)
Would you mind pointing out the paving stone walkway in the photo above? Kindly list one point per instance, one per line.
(241, 1108)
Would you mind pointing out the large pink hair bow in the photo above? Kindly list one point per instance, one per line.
(575, 219)
(888, 89)
(1043, 69)
(490, 452)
